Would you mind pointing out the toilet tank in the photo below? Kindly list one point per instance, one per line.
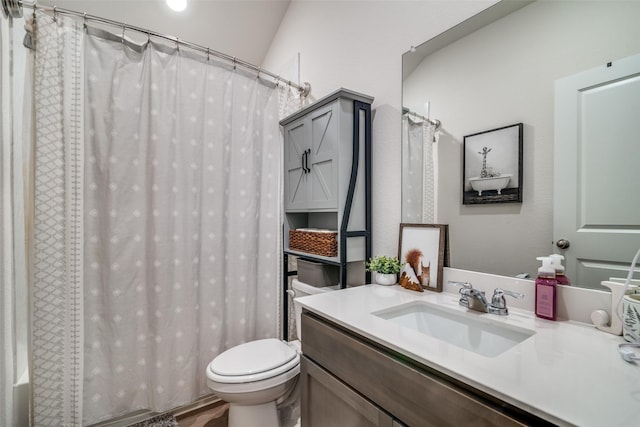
(301, 289)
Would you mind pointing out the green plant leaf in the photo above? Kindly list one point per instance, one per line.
(383, 264)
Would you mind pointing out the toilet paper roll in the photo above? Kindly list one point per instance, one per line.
(600, 318)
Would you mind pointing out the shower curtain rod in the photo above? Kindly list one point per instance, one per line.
(13, 8)
(435, 122)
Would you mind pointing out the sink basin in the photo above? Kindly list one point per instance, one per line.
(465, 330)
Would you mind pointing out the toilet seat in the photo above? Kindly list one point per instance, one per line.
(253, 361)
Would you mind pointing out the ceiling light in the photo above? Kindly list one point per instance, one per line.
(177, 5)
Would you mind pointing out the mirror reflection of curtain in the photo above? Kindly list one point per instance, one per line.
(418, 171)
(157, 221)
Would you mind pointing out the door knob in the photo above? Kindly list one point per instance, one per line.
(563, 243)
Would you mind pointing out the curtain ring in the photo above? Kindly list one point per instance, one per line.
(84, 21)
(124, 27)
(234, 63)
(55, 13)
(208, 54)
(148, 36)
(259, 71)
(178, 44)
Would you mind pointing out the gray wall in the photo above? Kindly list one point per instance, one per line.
(358, 45)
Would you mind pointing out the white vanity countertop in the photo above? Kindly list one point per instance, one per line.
(568, 372)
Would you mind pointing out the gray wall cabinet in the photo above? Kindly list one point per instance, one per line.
(311, 156)
(327, 182)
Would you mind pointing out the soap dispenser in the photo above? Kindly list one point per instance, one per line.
(561, 277)
(546, 290)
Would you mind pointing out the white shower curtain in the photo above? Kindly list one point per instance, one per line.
(419, 174)
(7, 349)
(13, 250)
(175, 204)
(56, 288)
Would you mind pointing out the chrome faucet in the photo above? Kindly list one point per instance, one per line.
(472, 298)
(499, 304)
(476, 300)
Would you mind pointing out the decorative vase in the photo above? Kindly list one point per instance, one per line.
(386, 279)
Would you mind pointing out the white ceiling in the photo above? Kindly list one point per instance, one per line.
(240, 28)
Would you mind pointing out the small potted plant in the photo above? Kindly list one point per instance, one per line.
(386, 269)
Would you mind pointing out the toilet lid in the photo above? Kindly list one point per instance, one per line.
(254, 360)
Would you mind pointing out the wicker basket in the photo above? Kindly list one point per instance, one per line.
(314, 242)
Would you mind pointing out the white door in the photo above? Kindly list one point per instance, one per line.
(597, 171)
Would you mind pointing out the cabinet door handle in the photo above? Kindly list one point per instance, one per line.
(306, 159)
(304, 155)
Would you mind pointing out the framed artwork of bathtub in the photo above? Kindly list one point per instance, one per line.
(492, 166)
(423, 252)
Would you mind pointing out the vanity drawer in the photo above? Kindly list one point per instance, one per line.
(412, 395)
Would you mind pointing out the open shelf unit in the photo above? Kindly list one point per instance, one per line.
(327, 180)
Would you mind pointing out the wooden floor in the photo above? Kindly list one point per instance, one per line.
(217, 415)
(211, 416)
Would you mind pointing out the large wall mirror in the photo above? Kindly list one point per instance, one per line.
(497, 69)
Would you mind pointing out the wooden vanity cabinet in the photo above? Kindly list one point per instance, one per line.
(329, 402)
(347, 380)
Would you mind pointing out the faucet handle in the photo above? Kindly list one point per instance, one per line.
(464, 285)
(516, 295)
(498, 301)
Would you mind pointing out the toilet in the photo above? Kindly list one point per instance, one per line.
(253, 376)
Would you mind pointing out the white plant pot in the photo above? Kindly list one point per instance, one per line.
(386, 279)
